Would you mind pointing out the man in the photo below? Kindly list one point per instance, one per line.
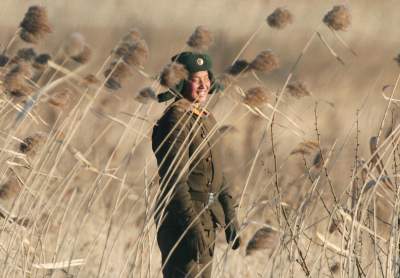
(194, 199)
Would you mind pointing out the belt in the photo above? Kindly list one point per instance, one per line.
(207, 198)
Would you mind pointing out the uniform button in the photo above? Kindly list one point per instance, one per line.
(208, 159)
(203, 135)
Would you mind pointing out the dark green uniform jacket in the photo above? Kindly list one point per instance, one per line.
(187, 147)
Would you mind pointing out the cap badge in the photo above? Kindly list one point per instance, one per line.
(200, 61)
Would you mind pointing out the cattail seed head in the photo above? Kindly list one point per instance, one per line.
(201, 39)
(15, 79)
(338, 19)
(172, 74)
(265, 61)
(280, 18)
(264, 238)
(35, 24)
(298, 89)
(257, 97)
(240, 66)
(32, 144)
(146, 95)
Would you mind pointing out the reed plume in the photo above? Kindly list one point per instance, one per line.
(15, 80)
(60, 99)
(298, 89)
(201, 39)
(238, 67)
(265, 61)
(172, 74)
(338, 19)
(26, 54)
(146, 95)
(397, 59)
(41, 61)
(77, 49)
(131, 51)
(3, 60)
(305, 148)
(225, 79)
(9, 189)
(280, 18)
(35, 24)
(32, 143)
(257, 96)
(137, 54)
(129, 39)
(264, 238)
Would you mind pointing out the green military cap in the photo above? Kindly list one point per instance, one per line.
(193, 62)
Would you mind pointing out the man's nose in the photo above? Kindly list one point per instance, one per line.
(202, 83)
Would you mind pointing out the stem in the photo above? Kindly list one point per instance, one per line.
(12, 40)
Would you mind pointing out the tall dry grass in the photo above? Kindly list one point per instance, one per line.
(310, 132)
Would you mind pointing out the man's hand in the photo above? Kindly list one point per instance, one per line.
(231, 234)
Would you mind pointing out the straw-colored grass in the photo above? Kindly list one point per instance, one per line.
(316, 185)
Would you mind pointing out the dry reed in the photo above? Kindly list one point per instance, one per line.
(298, 89)
(257, 97)
(132, 51)
(9, 189)
(238, 67)
(3, 60)
(201, 39)
(280, 18)
(146, 95)
(339, 18)
(172, 74)
(32, 144)
(264, 238)
(15, 80)
(35, 24)
(265, 61)
(25, 54)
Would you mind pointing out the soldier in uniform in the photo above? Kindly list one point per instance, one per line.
(194, 200)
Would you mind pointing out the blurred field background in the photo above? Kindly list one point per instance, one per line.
(89, 199)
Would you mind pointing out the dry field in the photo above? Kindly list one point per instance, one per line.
(309, 121)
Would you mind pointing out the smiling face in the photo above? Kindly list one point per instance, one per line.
(197, 87)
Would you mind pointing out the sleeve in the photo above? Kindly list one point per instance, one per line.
(226, 200)
(173, 157)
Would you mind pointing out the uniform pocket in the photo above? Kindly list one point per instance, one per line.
(210, 238)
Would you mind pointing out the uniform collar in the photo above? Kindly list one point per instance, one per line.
(198, 110)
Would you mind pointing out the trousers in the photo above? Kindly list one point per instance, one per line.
(176, 263)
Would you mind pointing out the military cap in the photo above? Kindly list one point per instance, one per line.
(193, 62)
